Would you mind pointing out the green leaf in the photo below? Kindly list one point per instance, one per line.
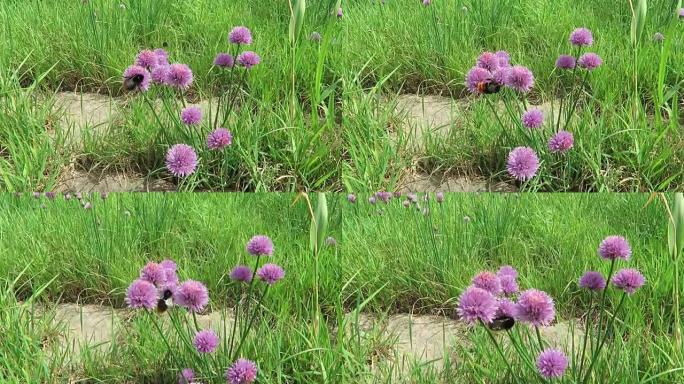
(297, 20)
(319, 224)
(675, 230)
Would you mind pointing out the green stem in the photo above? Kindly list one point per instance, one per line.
(249, 326)
(605, 336)
(586, 335)
(498, 349)
(603, 301)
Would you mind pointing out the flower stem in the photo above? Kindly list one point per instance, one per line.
(603, 340)
(498, 349)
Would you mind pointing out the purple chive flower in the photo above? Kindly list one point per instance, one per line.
(179, 76)
(224, 60)
(477, 304)
(680, 12)
(615, 247)
(248, 59)
(240, 35)
(270, 273)
(191, 116)
(439, 196)
(339, 12)
(581, 37)
(136, 77)
(658, 37)
(476, 76)
(260, 245)
(169, 265)
(565, 62)
(315, 36)
(36, 195)
(592, 281)
(162, 56)
(488, 281)
(160, 73)
(412, 197)
(141, 294)
(87, 206)
(243, 371)
(192, 295)
(589, 61)
(509, 284)
(561, 142)
(181, 160)
(552, 363)
(351, 198)
(205, 341)
(147, 59)
(504, 58)
(534, 118)
(219, 139)
(535, 307)
(383, 196)
(372, 200)
(519, 78)
(489, 61)
(241, 273)
(406, 203)
(50, 195)
(507, 270)
(186, 376)
(523, 163)
(628, 280)
(154, 273)
(506, 308)
(427, 2)
(499, 76)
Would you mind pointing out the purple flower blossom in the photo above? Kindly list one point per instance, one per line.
(628, 280)
(383, 196)
(412, 197)
(589, 61)
(243, 371)
(552, 363)
(592, 281)
(477, 304)
(615, 247)
(205, 341)
(224, 60)
(181, 160)
(581, 37)
(168, 264)
(186, 376)
(504, 58)
(179, 76)
(372, 200)
(260, 245)
(523, 163)
(507, 270)
(535, 307)
(141, 294)
(680, 12)
(520, 78)
(160, 73)
(154, 273)
(162, 56)
(315, 37)
(561, 142)
(439, 197)
(488, 281)
(240, 35)
(499, 76)
(565, 62)
(248, 59)
(427, 2)
(87, 206)
(406, 203)
(136, 77)
(489, 61)
(191, 116)
(270, 273)
(192, 295)
(658, 37)
(476, 76)
(219, 139)
(339, 12)
(241, 273)
(351, 198)
(147, 59)
(506, 308)
(534, 118)
(509, 284)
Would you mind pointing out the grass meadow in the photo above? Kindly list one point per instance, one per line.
(387, 260)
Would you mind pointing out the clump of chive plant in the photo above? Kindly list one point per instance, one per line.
(159, 292)
(543, 141)
(184, 130)
(494, 302)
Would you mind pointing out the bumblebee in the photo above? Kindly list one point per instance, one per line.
(133, 82)
(165, 301)
(488, 87)
(501, 323)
